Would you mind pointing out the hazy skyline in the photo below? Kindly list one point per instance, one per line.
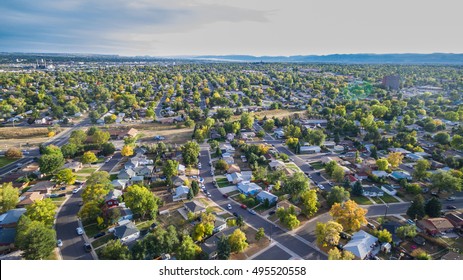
(252, 27)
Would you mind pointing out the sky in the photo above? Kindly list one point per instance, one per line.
(220, 27)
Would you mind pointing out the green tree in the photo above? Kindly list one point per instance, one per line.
(406, 231)
(337, 195)
(221, 165)
(223, 248)
(457, 142)
(238, 241)
(35, 239)
(141, 201)
(310, 203)
(50, 163)
(89, 157)
(108, 149)
(42, 211)
(65, 176)
(190, 152)
(95, 192)
(384, 236)
(99, 177)
(445, 181)
(115, 250)
(90, 211)
(170, 169)
(382, 164)
(433, 207)
(9, 197)
(395, 159)
(357, 189)
(442, 138)
(187, 250)
(338, 174)
(247, 120)
(416, 209)
(269, 125)
(69, 150)
(329, 167)
(296, 184)
(421, 169)
(78, 137)
(328, 234)
(260, 234)
(420, 254)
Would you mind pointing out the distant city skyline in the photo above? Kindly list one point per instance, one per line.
(223, 27)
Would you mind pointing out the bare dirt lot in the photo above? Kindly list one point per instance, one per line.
(22, 136)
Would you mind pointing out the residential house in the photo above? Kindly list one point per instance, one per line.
(145, 171)
(126, 174)
(181, 169)
(226, 148)
(219, 224)
(399, 175)
(127, 232)
(126, 213)
(246, 175)
(372, 191)
(73, 165)
(230, 136)
(234, 178)
(361, 176)
(228, 159)
(181, 193)
(132, 132)
(194, 207)
(233, 168)
(329, 144)
(453, 256)
(137, 180)
(435, 226)
(120, 184)
(248, 188)
(279, 133)
(456, 219)
(43, 187)
(413, 157)
(361, 244)
(389, 190)
(112, 198)
(351, 178)
(10, 218)
(277, 164)
(209, 246)
(28, 198)
(264, 195)
(379, 173)
(310, 149)
(392, 226)
(285, 204)
(179, 180)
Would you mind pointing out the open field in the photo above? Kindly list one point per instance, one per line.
(280, 113)
(24, 132)
(173, 135)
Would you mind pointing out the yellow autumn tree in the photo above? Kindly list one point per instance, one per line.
(127, 151)
(395, 159)
(349, 215)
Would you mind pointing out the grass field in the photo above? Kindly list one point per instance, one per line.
(88, 170)
(389, 198)
(5, 161)
(23, 132)
(293, 167)
(361, 200)
(91, 230)
(222, 182)
(317, 165)
(102, 240)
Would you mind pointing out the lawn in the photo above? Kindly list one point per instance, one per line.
(102, 240)
(456, 243)
(91, 230)
(293, 167)
(145, 224)
(81, 178)
(222, 182)
(389, 198)
(5, 161)
(88, 170)
(58, 200)
(317, 165)
(361, 200)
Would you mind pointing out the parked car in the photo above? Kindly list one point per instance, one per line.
(235, 214)
(100, 234)
(59, 243)
(252, 211)
(76, 190)
(272, 212)
(410, 222)
(209, 195)
(370, 225)
(321, 187)
(229, 206)
(88, 247)
(62, 188)
(450, 198)
(243, 206)
(80, 231)
(435, 194)
(451, 207)
(224, 195)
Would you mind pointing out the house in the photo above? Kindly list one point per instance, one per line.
(233, 168)
(399, 150)
(132, 132)
(246, 175)
(285, 204)
(219, 224)
(361, 176)
(112, 198)
(7, 239)
(234, 178)
(435, 226)
(209, 246)
(264, 195)
(43, 187)
(137, 179)
(372, 191)
(127, 232)
(329, 144)
(310, 149)
(379, 173)
(131, 164)
(392, 226)
(230, 136)
(389, 190)
(145, 171)
(361, 244)
(181, 193)
(277, 164)
(399, 175)
(120, 184)
(29, 198)
(453, 256)
(248, 188)
(194, 207)
(181, 169)
(179, 180)
(456, 219)
(73, 165)
(126, 213)
(228, 159)
(279, 133)
(10, 218)
(413, 157)
(226, 148)
(351, 178)
(126, 174)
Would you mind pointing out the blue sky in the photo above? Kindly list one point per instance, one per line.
(255, 27)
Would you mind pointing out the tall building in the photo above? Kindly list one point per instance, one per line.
(391, 82)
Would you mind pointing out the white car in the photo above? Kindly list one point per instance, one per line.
(80, 231)
(76, 190)
(59, 243)
(450, 198)
(321, 186)
(229, 206)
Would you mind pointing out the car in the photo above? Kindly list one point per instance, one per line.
(76, 190)
(410, 222)
(243, 206)
(370, 225)
(235, 214)
(100, 234)
(224, 195)
(61, 195)
(62, 188)
(450, 198)
(59, 243)
(291, 159)
(330, 183)
(201, 180)
(19, 164)
(272, 212)
(80, 231)
(252, 211)
(87, 247)
(229, 206)
(209, 195)
(53, 195)
(310, 176)
(451, 207)
(345, 235)
(321, 187)
(153, 226)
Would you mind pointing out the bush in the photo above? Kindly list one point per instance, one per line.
(13, 153)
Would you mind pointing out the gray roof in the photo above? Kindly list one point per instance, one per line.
(125, 230)
(7, 236)
(113, 194)
(11, 216)
(210, 245)
(266, 195)
(194, 206)
(361, 244)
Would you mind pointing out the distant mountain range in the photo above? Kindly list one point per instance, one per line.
(408, 58)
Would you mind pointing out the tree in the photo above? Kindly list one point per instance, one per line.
(260, 234)
(100, 137)
(337, 195)
(349, 215)
(42, 211)
(90, 211)
(420, 254)
(384, 236)
(78, 137)
(457, 142)
(338, 174)
(445, 181)
(221, 165)
(357, 189)
(170, 168)
(13, 152)
(328, 234)
(223, 248)
(268, 125)
(335, 254)
(329, 167)
(195, 188)
(416, 209)
(310, 203)
(296, 184)
(115, 250)
(69, 150)
(108, 149)
(442, 138)
(187, 249)
(316, 137)
(382, 164)
(89, 157)
(9, 197)
(127, 151)
(406, 231)
(433, 207)
(421, 169)
(247, 120)
(95, 192)
(35, 239)
(395, 159)
(288, 217)
(50, 163)
(99, 177)
(65, 176)
(190, 152)
(238, 242)
(141, 201)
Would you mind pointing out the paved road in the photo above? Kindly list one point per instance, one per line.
(273, 253)
(158, 109)
(108, 166)
(295, 244)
